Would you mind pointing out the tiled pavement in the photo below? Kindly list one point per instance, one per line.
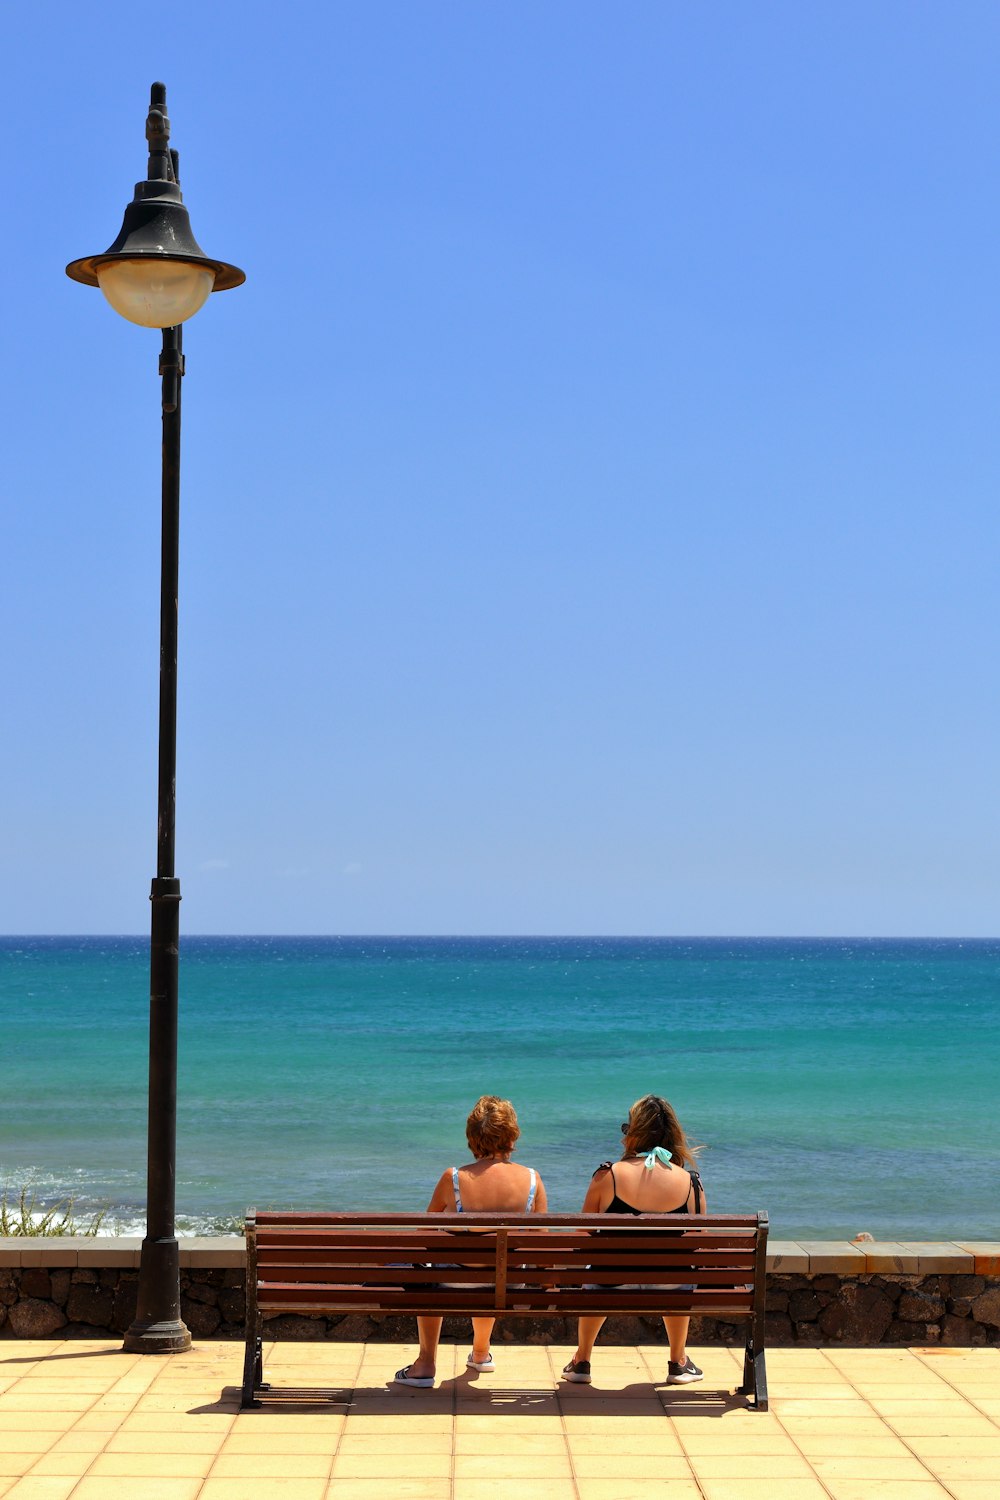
(83, 1420)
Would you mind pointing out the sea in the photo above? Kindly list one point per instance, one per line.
(843, 1085)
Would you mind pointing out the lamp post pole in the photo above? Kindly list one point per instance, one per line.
(158, 1326)
(156, 274)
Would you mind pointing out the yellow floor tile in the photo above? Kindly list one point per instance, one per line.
(510, 1489)
(110, 1487)
(143, 1465)
(770, 1444)
(833, 1444)
(662, 1443)
(45, 1487)
(262, 1489)
(871, 1467)
(793, 1406)
(281, 1441)
(272, 1465)
(764, 1489)
(79, 1442)
(512, 1465)
(652, 1489)
(972, 1489)
(175, 1443)
(890, 1489)
(871, 1426)
(374, 1489)
(402, 1422)
(30, 1421)
(944, 1446)
(962, 1466)
(746, 1466)
(392, 1466)
(500, 1440)
(19, 1461)
(630, 1469)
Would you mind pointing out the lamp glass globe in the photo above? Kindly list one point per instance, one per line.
(155, 293)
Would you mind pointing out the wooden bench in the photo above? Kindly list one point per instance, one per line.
(491, 1265)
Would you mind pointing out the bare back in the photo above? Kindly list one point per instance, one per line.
(488, 1186)
(664, 1189)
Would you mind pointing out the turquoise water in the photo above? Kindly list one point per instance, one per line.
(842, 1085)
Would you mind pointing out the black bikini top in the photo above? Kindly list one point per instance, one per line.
(619, 1206)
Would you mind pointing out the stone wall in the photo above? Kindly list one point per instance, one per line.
(87, 1289)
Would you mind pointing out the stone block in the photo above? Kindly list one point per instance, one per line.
(918, 1307)
(354, 1328)
(806, 1306)
(201, 1319)
(967, 1286)
(126, 1296)
(778, 1329)
(957, 1332)
(890, 1256)
(60, 1283)
(809, 1333)
(939, 1256)
(834, 1257)
(42, 1250)
(986, 1307)
(233, 1304)
(860, 1315)
(103, 1254)
(293, 1327)
(90, 1304)
(36, 1282)
(786, 1256)
(217, 1252)
(902, 1332)
(35, 1319)
(986, 1254)
(199, 1292)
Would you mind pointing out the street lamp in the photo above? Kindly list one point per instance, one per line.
(157, 275)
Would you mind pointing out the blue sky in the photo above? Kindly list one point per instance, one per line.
(589, 503)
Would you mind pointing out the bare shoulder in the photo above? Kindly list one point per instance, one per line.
(601, 1172)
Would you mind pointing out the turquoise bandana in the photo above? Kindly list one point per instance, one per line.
(658, 1153)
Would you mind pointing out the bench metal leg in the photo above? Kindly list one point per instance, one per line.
(754, 1377)
(253, 1371)
(759, 1382)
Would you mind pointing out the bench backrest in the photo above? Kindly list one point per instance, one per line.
(524, 1263)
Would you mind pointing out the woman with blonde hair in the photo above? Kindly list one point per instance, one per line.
(490, 1183)
(655, 1175)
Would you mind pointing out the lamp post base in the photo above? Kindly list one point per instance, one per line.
(168, 1337)
(158, 1327)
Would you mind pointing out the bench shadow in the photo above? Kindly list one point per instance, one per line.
(461, 1395)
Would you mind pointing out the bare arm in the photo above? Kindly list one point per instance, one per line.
(598, 1193)
(443, 1196)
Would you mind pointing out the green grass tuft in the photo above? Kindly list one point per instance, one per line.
(21, 1214)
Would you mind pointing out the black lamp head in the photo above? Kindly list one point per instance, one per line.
(156, 224)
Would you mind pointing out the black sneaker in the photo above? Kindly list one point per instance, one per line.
(578, 1370)
(685, 1374)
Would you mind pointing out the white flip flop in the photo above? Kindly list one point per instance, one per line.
(483, 1365)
